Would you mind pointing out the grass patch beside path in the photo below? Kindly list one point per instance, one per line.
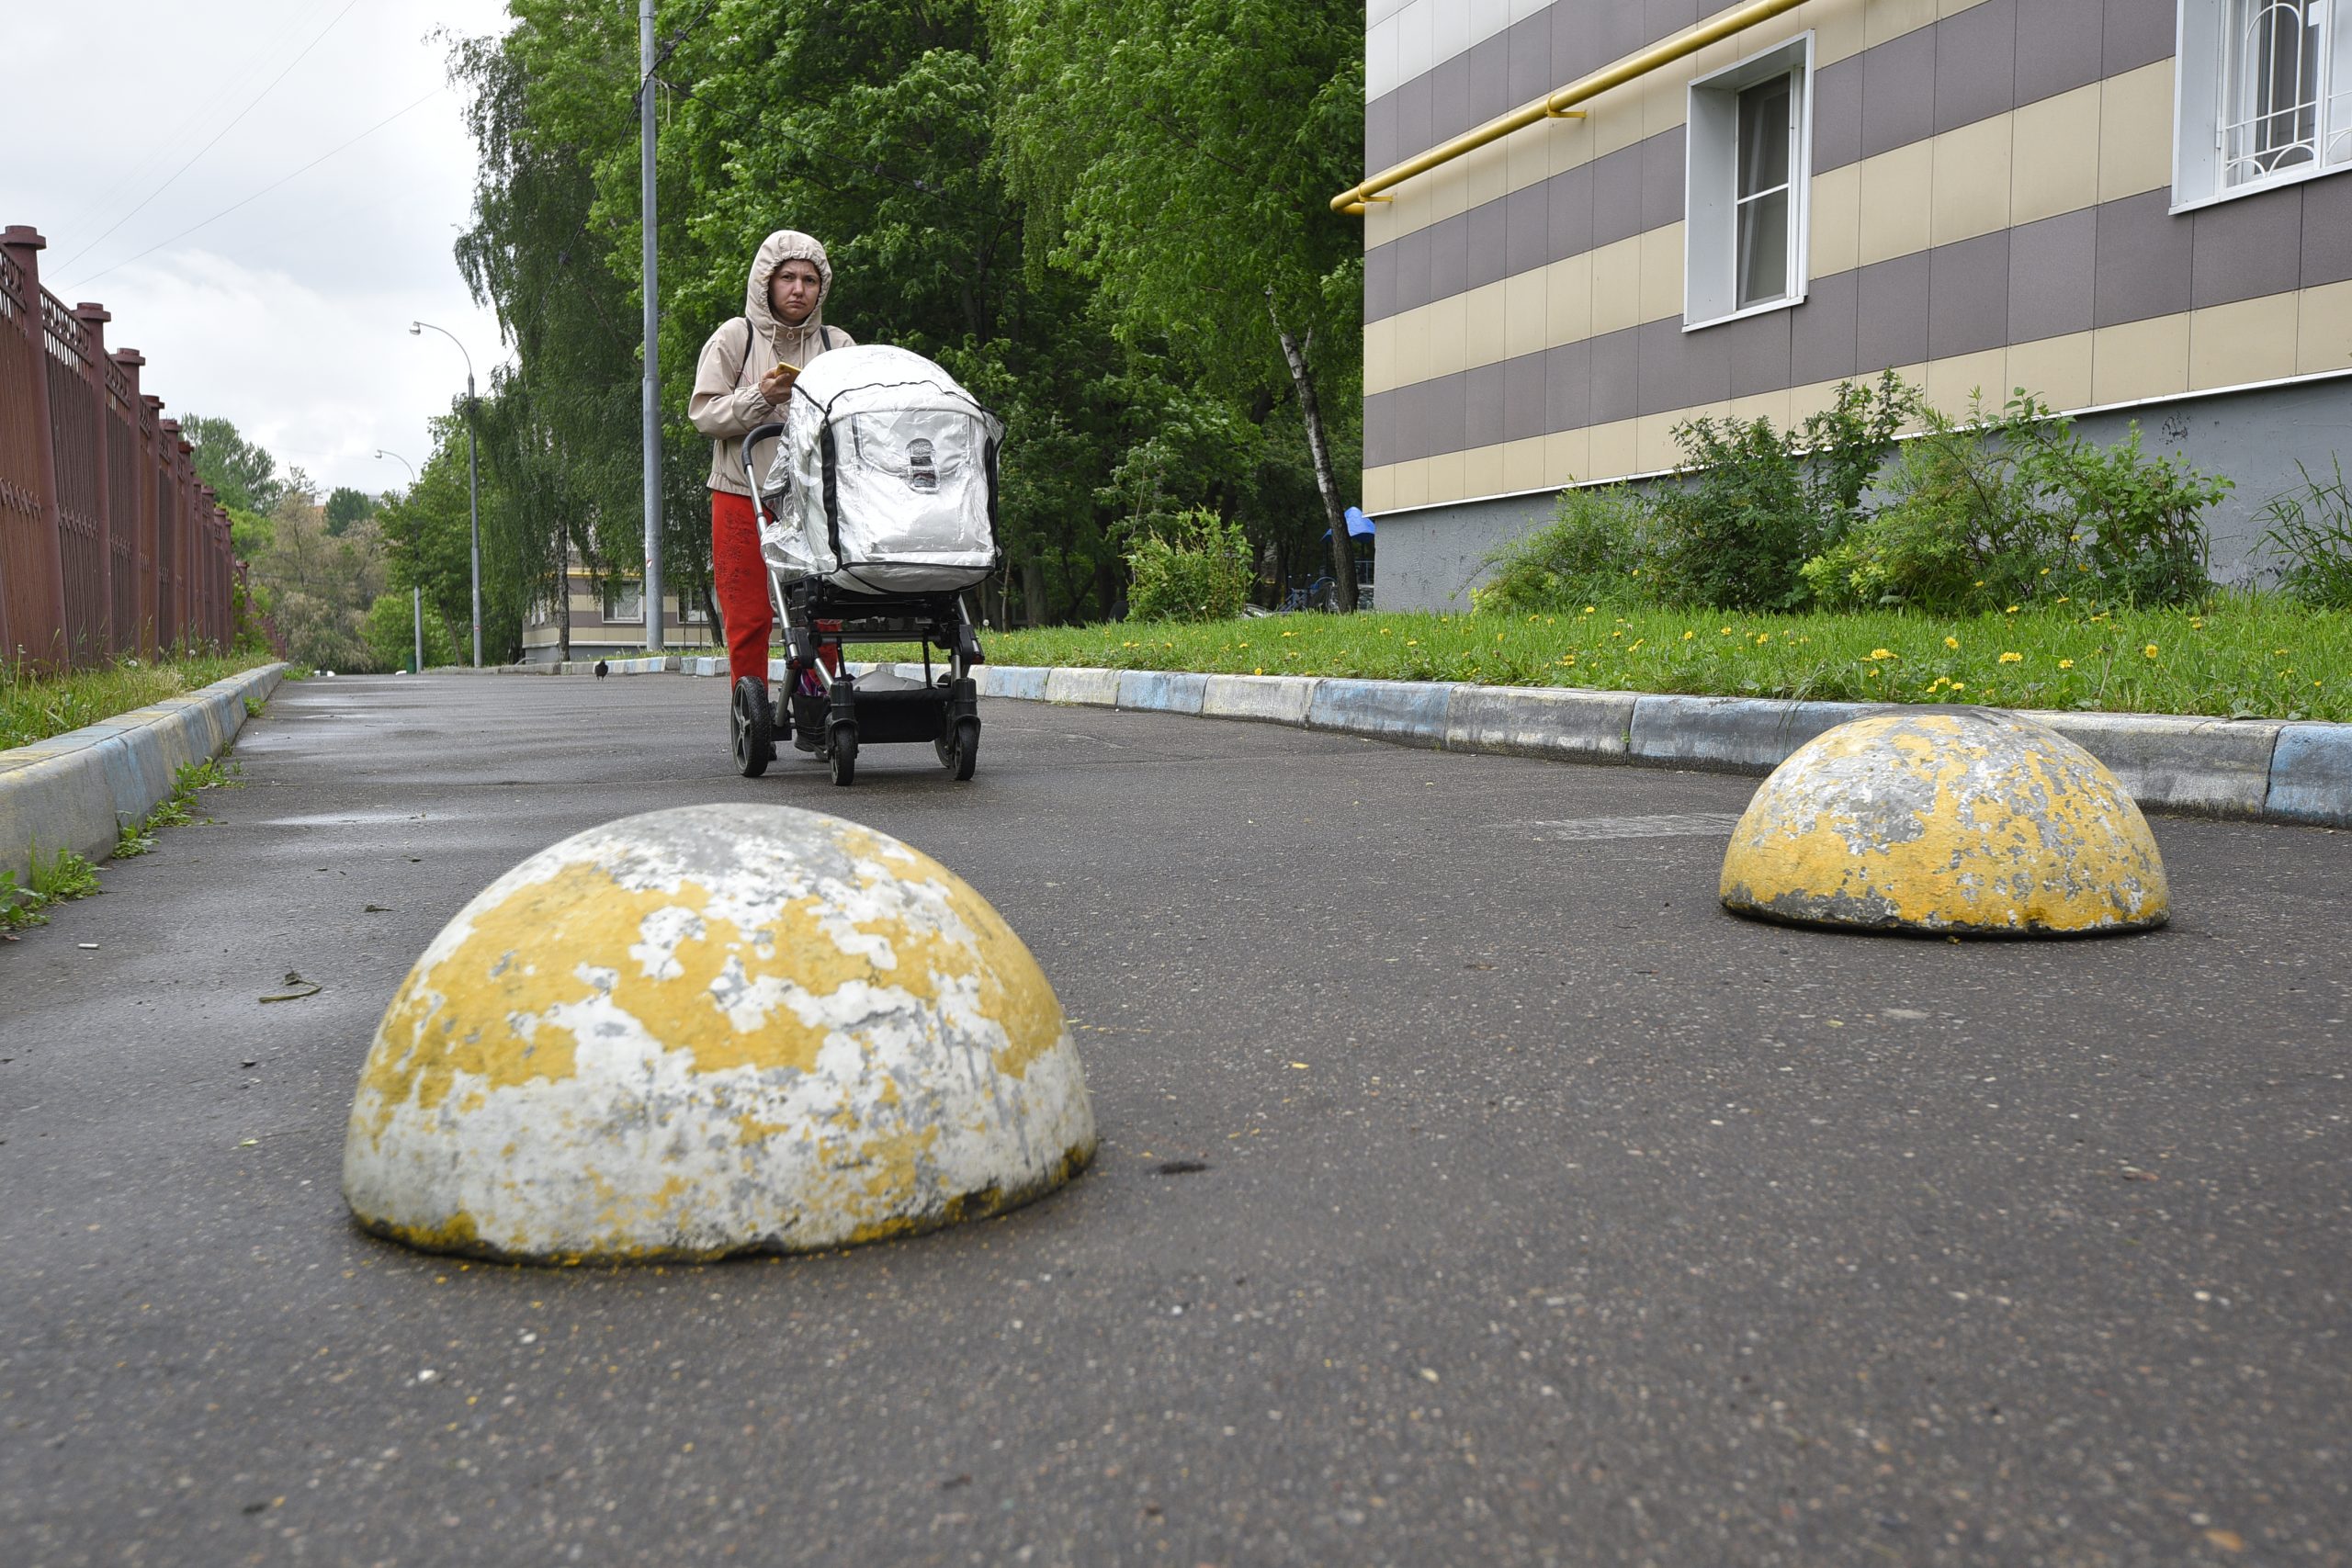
(2251, 656)
(36, 708)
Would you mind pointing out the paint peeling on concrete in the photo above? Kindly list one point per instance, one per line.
(713, 1030)
(1970, 822)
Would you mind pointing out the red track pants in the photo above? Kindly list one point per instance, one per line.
(742, 580)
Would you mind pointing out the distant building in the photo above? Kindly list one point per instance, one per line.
(608, 622)
(2133, 208)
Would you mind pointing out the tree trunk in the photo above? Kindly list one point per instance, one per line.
(1032, 590)
(563, 599)
(1344, 565)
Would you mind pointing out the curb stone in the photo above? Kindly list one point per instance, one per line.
(1411, 712)
(2251, 770)
(1736, 734)
(75, 791)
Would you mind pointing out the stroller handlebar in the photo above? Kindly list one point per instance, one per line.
(758, 434)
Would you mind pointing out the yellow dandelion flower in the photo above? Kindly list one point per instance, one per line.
(1726, 631)
(2013, 659)
(1587, 609)
(2010, 611)
(1636, 643)
(1952, 642)
(1260, 671)
(2064, 600)
(1688, 635)
(1980, 582)
(1960, 685)
(2150, 651)
(2065, 664)
(1881, 653)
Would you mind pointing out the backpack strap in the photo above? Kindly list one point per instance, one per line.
(745, 362)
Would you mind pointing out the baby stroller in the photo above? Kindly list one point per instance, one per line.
(877, 511)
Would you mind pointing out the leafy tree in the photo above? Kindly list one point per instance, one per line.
(390, 630)
(241, 472)
(1179, 154)
(893, 132)
(427, 540)
(347, 506)
(317, 586)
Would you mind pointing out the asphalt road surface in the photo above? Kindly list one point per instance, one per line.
(1550, 1214)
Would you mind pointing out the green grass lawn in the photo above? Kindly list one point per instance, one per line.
(2248, 656)
(36, 708)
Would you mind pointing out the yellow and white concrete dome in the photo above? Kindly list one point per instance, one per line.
(1971, 822)
(710, 1030)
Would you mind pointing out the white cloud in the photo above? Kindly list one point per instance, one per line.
(290, 315)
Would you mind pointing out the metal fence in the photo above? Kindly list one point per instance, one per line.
(109, 545)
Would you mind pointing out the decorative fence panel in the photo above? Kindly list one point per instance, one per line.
(108, 543)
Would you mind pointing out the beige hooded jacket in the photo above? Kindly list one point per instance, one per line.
(726, 404)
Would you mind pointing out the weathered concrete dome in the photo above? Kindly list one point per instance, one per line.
(1968, 821)
(709, 1030)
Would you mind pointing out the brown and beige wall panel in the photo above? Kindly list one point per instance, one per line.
(1989, 207)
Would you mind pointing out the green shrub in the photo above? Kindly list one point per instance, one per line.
(1758, 503)
(1193, 565)
(2139, 522)
(1596, 550)
(2001, 509)
(2311, 530)
(390, 633)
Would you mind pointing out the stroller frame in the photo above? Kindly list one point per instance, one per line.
(840, 715)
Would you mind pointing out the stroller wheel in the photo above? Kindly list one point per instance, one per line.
(959, 749)
(749, 728)
(841, 755)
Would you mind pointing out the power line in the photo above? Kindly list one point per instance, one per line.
(267, 188)
(207, 146)
(161, 148)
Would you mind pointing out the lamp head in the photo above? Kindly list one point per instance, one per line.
(417, 329)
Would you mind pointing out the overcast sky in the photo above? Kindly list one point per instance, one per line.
(290, 314)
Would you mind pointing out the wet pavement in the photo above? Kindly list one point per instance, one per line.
(1542, 1212)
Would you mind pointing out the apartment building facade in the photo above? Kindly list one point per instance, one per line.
(2135, 209)
(606, 619)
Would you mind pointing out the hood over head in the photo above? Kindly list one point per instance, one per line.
(783, 245)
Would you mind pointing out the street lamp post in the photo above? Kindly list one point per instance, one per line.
(416, 590)
(473, 475)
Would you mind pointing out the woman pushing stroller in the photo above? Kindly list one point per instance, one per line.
(743, 381)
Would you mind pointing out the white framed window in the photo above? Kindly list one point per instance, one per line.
(1747, 175)
(624, 603)
(2263, 95)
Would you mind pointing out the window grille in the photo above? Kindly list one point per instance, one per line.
(2266, 95)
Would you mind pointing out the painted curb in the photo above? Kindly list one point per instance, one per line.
(2255, 770)
(1161, 691)
(2311, 775)
(75, 791)
(2213, 767)
(1074, 685)
(1018, 681)
(1411, 712)
(1523, 721)
(1269, 699)
(1738, 735)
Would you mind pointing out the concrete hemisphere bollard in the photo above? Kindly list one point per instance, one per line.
(1960, 822)
(712, 1029)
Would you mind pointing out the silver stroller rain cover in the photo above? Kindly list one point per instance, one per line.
(884, 479)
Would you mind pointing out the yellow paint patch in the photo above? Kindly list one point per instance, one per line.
(1961, 822)
(484, 1011)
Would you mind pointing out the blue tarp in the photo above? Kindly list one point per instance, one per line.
(1359, 526)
